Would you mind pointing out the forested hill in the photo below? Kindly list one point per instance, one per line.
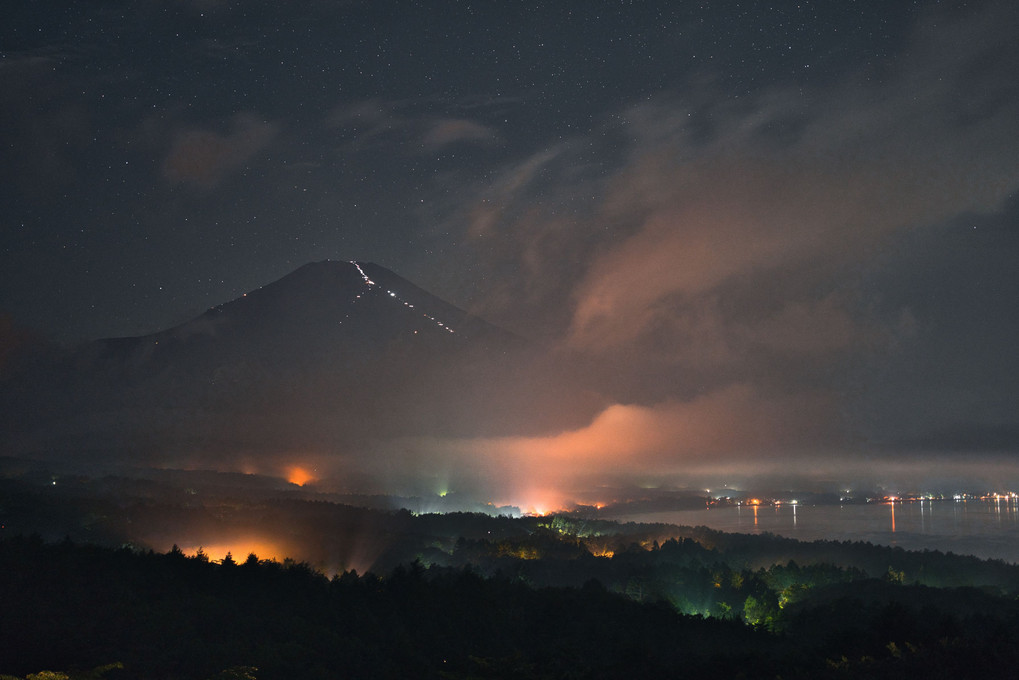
(119, 613)
(170, 616)
(89, 589)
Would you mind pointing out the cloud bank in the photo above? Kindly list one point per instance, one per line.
(718, 275)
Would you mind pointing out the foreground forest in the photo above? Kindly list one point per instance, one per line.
(466, 595)
(94, 612)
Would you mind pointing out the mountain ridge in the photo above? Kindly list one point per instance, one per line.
(331, 357)
(332, 293)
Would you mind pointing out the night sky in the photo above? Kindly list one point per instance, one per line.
(775, 228)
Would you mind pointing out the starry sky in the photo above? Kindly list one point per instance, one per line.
(769, 226)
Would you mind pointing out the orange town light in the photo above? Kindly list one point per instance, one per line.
(299, 475)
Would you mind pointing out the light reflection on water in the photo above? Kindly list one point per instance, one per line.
(986, 529)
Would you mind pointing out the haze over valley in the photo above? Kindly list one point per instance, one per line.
(347, 377)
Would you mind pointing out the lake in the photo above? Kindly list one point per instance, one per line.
(986, 529)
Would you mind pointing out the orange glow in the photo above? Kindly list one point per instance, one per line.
(239, 550)
(543, 473)
(536, 501)
(537, 509)
(299, 476)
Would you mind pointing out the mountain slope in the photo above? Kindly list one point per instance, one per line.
(317, 311)
(329, 358)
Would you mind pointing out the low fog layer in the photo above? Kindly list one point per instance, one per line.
(347, 376)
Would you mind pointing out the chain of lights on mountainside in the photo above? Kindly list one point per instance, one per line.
(371, 283)
(301, 475)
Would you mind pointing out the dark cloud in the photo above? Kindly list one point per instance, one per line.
(49, 125)
(756, 229)
(733, 262)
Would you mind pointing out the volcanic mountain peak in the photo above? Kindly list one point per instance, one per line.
(333, 354)
(326, 290)
(315, 332)
(328, 304)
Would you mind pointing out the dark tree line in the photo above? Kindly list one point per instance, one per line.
(77, 607)
(468, 595)
(119, 613)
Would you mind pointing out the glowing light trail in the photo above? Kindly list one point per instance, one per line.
(392, 294)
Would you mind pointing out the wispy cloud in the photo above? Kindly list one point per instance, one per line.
(765, 215)
(724, 251)
(375, 121)
(447, 131)
(202, 158)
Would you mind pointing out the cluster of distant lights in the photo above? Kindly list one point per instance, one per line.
(1007, 497)
(393, 295)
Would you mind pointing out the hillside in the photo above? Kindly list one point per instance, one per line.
(326, 360)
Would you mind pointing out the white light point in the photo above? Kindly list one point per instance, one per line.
(392, 294)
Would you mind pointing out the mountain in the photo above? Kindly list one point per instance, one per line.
(330, 359)
(345, 317)
(319, 309)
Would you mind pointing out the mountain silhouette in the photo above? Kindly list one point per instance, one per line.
(326, 315)
(331, 357)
